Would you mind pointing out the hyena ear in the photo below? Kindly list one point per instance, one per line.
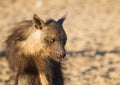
(61, 20)
(39, 23)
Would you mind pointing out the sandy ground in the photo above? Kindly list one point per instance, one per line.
(93, 30)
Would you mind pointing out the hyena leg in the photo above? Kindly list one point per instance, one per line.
(58, 77)
(14, 78)
(34, 80)
(45, 80)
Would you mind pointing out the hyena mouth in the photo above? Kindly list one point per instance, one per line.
(57, 58)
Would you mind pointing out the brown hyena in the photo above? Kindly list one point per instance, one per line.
(34, 50)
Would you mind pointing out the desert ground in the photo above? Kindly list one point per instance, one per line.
(93, 31)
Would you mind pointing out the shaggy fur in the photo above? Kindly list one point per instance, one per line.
(34, 50)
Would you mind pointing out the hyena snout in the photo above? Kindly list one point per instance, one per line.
(62, 51)
(63, 54)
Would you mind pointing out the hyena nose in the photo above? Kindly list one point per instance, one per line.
(63, 54)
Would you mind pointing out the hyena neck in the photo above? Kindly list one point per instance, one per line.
(51, 72)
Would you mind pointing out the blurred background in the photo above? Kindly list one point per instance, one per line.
(93, 30)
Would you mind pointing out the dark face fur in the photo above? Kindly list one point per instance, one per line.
(53, 37)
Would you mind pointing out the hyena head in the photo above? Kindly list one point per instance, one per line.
(52, 37)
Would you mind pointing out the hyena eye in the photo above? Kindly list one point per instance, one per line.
(49, 40)
(52, 41)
